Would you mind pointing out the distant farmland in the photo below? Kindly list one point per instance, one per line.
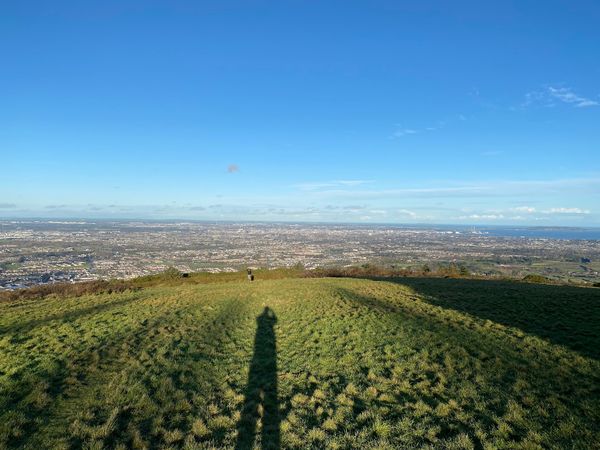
(297, 363)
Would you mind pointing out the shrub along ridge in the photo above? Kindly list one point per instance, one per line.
(173, 277)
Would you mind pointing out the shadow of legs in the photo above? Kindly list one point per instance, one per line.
(261, 390)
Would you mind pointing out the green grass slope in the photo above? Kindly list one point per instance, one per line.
(300, 363)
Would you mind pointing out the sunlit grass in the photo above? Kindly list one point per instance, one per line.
(359, 364)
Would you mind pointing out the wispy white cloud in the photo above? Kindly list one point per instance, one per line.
(482, 217)
(524, 213)
(406, 192)
(352, 182)
(501, 188)
(525, 209)
(407, 212)
(402, 131)
(566, 95)
(561, 210)
(567, 211)
(407, 131)
(320, 185)
(396, 211)
(550, 96)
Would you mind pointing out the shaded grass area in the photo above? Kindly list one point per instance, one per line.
(564, 315)
(303, 363)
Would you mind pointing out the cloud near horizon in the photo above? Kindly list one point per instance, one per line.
(500, 188)
(320, 185)
(360, 200)
(567, 211)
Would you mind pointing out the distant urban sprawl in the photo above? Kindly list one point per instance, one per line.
(39, 251)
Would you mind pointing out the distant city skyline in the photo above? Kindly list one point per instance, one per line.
(350, 112)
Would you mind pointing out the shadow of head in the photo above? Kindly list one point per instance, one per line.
(267, 316)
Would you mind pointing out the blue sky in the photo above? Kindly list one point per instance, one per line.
(350, 111)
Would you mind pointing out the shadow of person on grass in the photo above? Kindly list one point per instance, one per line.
(260, 400)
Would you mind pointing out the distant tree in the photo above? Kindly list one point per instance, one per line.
(426, 268)
(464, 272)
(451, 270)
(172, 273)
(535, 278)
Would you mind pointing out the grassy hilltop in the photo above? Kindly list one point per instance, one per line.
(297, 363)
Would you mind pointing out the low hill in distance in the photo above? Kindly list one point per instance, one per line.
(302, 362)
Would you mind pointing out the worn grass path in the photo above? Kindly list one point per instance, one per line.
(297, 363)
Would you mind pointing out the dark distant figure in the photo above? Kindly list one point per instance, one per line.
(250, 275)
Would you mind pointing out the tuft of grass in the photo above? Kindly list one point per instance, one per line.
(199, 428)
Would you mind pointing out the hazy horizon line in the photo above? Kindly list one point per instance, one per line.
(293, 222)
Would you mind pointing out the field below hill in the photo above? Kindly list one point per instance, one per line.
(304, 362)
